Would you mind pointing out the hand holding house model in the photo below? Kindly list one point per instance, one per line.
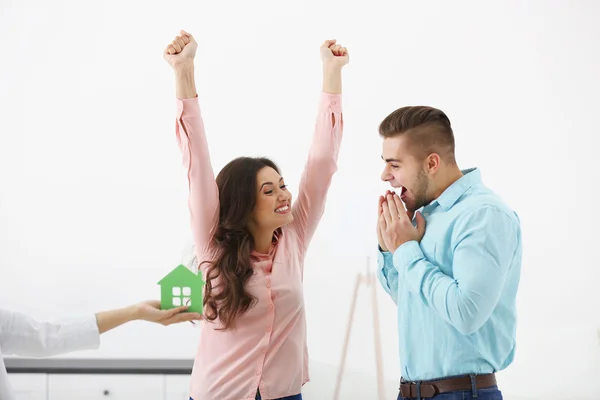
(182, 287)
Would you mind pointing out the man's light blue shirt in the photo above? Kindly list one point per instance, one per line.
(456, 289)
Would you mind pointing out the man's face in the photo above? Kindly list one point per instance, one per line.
(404, 171)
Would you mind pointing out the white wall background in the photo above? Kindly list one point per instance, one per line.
(93, 194)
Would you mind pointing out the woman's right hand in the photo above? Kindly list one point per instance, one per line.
(181, 51)
(180, 56)
(334, 55)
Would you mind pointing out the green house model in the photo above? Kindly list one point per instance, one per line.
(182, 287)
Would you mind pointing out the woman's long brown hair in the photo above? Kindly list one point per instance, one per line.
(232, 268)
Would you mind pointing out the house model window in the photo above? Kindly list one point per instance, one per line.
(181, 296)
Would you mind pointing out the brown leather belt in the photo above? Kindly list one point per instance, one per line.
(432, 388)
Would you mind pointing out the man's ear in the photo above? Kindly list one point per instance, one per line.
(432, 163)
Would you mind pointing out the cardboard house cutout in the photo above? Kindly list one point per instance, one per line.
(182, 287)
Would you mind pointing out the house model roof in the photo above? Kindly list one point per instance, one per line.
(180, 275)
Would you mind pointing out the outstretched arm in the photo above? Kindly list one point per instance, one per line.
(324, 150)
(203, 200)
(22, 335)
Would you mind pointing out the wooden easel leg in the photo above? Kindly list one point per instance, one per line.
(376, 336)
(347, 339)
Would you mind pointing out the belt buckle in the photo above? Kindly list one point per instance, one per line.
(405, 389)
(409, 390)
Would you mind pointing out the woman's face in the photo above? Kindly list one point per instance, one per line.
(273, 208)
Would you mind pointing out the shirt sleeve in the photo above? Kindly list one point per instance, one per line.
(387, 274)
(21, 335)
(483, 251)
(319, 169)
(203, 197)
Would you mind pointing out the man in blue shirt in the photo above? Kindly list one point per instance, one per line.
(450, 258)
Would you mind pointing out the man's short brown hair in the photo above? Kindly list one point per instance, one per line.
(428, 128)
